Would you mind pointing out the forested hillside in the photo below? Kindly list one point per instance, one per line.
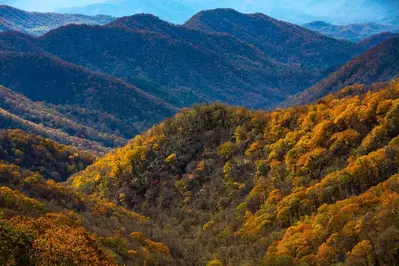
(379, 64)
(201, 182)
(50, 159)
(312, 185)
(280, 40)
(64, 124)
(77, 102)
(47, 223)
(35, 23)
(377, 39)
(190, 66)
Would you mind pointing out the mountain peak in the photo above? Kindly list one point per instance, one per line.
(218, 12)
(139, 21)
(318, 23)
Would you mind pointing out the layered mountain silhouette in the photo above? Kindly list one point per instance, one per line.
(376, 65)
(36, 23)
(351, 32)
(177, 11)
(183, 65)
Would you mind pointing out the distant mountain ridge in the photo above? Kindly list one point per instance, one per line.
(35, 23)
(379, 64)
(351, 32)
(280, 40)
(178, 11)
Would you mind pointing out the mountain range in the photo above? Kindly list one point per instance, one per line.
(351, 32)
(117, 80)
(36, 23)
(216, 66)
(121, 144)
(184, 65)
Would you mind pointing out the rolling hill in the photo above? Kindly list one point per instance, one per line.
(376, 65)
(35, 23)
(110, 109)
(316, 184)
(350, 32)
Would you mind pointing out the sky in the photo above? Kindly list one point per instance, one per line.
(48, 5)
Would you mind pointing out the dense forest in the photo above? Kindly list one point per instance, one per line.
(66, 124)
(118, 146)
(280, 40)
(47, 223)
(214, 185)
(312, 185)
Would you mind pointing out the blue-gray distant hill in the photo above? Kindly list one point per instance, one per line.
(351, 32)
(35, 23)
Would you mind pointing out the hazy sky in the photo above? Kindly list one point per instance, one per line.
(54, 5)
(47, 5)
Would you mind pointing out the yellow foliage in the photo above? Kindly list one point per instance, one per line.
(214, 262)
(171, 159)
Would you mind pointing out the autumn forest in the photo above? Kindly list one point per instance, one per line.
(232, 139)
